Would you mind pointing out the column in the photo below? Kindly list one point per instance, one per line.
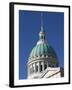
(38, 67)
(35, 67)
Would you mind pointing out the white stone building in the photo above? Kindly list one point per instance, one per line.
(43, 61)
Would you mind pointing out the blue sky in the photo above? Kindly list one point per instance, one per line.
(29, 28)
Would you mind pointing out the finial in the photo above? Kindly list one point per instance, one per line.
(41, 21)
(42, 32)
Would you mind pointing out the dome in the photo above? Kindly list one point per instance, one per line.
(42, 49)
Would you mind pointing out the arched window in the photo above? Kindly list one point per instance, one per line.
(40, 68)
(45, 65)
(42, 37)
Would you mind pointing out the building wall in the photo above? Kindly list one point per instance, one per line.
(48, 73)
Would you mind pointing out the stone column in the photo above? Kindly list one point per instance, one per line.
(35, 67)
(38, 67)
(32, 68)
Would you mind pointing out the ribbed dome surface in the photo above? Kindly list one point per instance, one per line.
(42, 49)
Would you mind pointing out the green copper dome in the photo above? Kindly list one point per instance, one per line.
(42, 49)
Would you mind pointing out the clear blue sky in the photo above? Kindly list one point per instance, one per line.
(29, 28)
